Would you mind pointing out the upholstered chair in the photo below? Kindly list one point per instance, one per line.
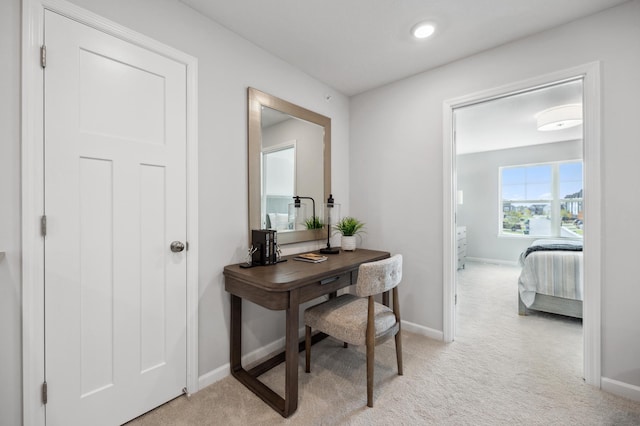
(359, 319)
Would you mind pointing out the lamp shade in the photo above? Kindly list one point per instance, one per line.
(331, 213)
(559, 117)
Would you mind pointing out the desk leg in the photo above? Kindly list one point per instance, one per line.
(235, 345)
(289, 404)
(291, 354)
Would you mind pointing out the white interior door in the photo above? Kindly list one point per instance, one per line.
(115, 199)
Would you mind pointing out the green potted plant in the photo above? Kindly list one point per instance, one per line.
(349, 227)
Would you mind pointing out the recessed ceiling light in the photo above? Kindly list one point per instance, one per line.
(423, 30)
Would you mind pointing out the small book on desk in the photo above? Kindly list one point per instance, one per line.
(310, 257)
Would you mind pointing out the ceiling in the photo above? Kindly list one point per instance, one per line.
(357, 45)
(510, 122)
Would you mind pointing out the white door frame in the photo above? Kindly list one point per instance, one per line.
(592, 188)
(33, 347)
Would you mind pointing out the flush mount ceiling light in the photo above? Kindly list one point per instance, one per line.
(423, 30)
(560, 117)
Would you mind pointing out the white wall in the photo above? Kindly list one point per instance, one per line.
(478, 177)
(396, 168)
(227, 66)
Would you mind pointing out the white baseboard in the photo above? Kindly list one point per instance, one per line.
(213, 376)
(422, 330)
(620, 388)
(225, 370)
(492, 261)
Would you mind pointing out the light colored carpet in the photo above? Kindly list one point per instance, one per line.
(502, 369)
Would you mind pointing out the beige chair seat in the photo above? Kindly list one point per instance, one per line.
(345, 318)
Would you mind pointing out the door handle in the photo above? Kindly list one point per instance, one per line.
(177, 246)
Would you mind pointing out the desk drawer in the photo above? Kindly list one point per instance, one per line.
(325, 286)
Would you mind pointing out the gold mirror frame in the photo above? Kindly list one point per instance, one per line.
(257, 100)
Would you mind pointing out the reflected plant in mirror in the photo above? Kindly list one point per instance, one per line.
(289, 156)
(314, 222)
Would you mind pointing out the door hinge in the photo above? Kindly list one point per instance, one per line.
(455, 299)
(43, 225)
(44, 392)
(43, 56)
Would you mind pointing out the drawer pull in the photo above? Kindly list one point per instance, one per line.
(329, 280)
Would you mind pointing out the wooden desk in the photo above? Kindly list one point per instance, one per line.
(284, 287)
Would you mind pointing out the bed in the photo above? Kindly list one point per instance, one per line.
(552, 278)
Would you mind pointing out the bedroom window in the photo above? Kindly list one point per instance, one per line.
(542, 200)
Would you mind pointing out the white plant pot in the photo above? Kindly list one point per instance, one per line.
(348, 243)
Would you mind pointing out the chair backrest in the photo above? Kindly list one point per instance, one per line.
(380, 276)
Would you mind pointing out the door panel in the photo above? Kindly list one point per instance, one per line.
(96, 278)
(115, 199)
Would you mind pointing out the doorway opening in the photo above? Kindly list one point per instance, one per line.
(588, 78)
(520, 186)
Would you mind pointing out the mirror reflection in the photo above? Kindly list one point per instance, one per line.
(289, 156)
(292, 152)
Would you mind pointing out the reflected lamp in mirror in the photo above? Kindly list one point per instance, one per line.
(332, 217)
(298, 214)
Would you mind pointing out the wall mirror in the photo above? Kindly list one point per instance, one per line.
(289, 155)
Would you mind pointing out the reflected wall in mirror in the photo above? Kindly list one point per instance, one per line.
(289, 155)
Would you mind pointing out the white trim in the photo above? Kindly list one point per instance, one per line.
(32, 208)
(192, 225)
(621, 389)
(449, 245)
(592, 314)
(33, 192)
(214, 376)
(590, 73)
(259, 354)
(422, 330)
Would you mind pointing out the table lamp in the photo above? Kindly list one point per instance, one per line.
(332, 213)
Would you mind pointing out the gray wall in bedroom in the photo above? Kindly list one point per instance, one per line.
(478, 178)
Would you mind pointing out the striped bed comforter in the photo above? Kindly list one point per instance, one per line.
(554, 273)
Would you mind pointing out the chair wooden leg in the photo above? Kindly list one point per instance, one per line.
(371, 344)
(370, 364)
(396, 311)
(307, 350)
(345, 345)
(399, 351)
